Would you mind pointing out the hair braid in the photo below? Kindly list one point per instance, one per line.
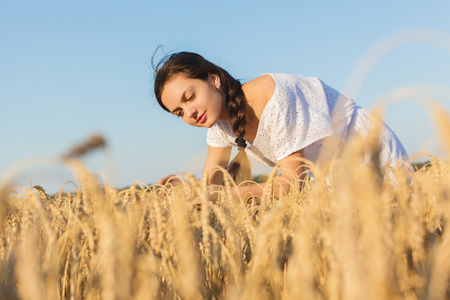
(237, 108)
(239, 167)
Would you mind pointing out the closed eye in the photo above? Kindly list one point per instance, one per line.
(178, 112)
(191, 97)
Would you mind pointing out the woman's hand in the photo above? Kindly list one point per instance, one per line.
(292, 167)
(172, 179)
(214, 190)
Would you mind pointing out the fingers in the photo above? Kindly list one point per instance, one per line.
(163, 180)
(169, 179)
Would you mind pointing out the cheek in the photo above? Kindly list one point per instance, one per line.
(187, 120)
(220, 102)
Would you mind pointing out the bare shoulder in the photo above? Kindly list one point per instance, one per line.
(261, 87)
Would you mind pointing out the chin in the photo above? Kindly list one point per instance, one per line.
(204, 125)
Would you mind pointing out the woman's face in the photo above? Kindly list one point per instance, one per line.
(197, 101)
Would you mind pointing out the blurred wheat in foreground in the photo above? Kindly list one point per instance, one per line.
(348, 234)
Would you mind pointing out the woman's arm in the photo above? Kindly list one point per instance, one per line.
(291, 166)
(217, 156)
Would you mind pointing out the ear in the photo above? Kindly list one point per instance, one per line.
(215, 79)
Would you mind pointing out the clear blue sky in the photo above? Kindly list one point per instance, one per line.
(70, 68)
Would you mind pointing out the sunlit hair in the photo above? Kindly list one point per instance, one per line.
(194, 66)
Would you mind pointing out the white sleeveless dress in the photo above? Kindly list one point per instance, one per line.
(305, 113)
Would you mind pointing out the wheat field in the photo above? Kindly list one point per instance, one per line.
(351, 233)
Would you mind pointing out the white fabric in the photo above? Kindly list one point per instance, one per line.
(303, 113)
(392, 149)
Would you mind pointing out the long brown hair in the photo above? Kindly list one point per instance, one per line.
(194, 66)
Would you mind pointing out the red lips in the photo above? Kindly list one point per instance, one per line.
(202, 118)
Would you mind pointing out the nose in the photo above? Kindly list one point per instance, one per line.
(190, 110)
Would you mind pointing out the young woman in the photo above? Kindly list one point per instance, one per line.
(275, 118)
